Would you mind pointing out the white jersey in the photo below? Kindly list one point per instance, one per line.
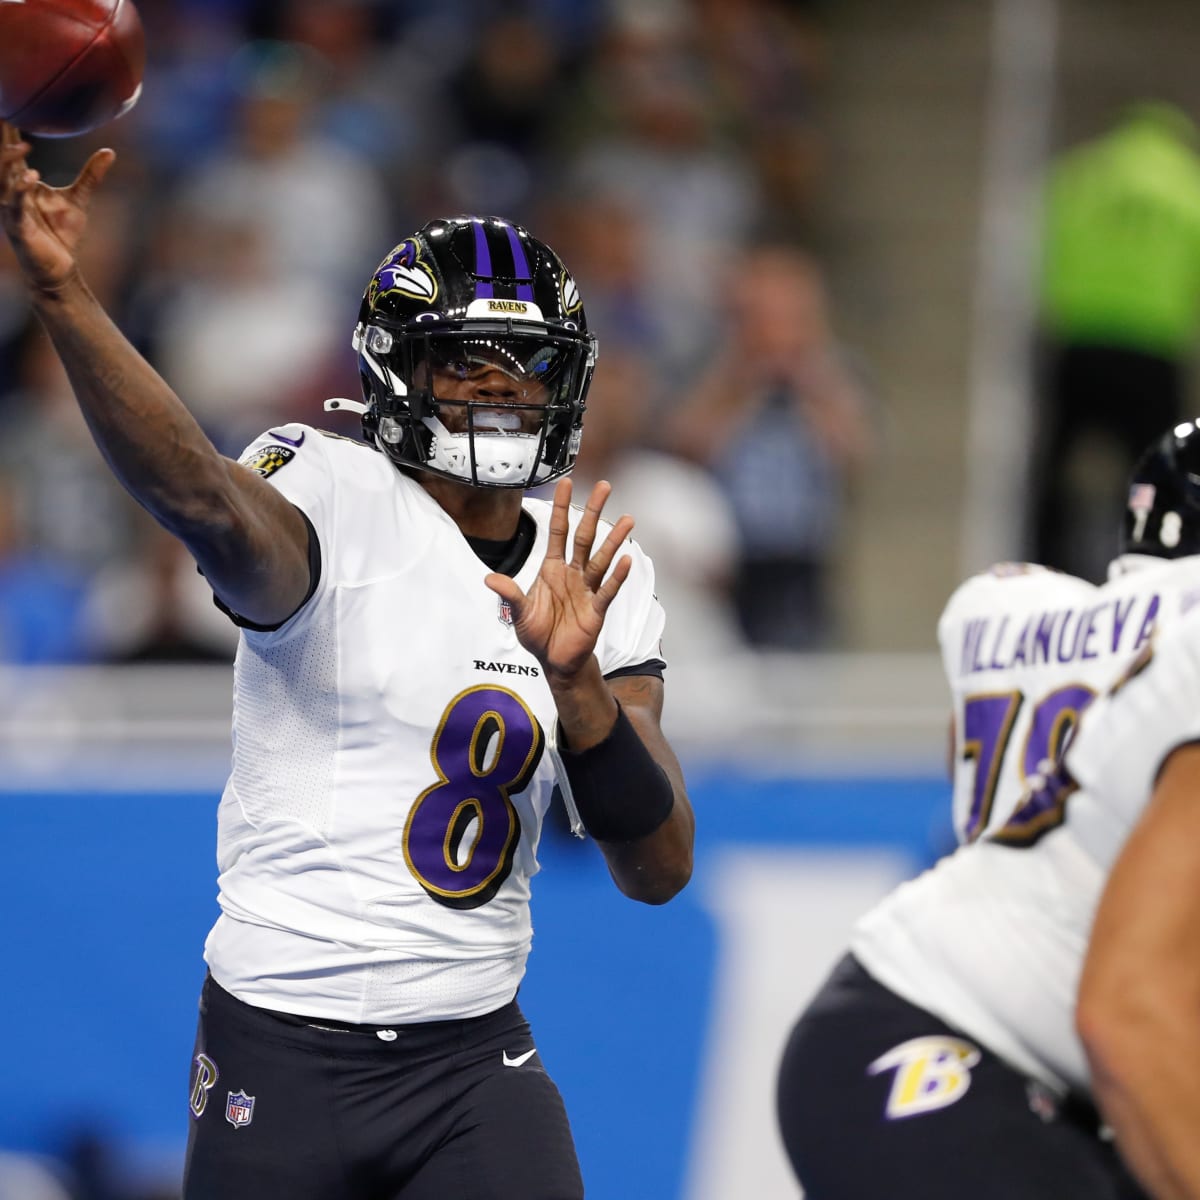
(1025, 650)
(992, 938)
(391, 767)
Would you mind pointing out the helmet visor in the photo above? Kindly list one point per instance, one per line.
(519, 370)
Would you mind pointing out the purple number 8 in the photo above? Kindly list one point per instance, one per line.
(487, 746)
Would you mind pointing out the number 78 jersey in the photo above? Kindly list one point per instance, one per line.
(1025, 650)
(392, 764)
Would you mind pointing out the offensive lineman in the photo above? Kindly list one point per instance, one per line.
(941, 1056)
(423, 656)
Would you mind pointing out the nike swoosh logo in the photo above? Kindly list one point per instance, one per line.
(520, 1060)
(284, 438)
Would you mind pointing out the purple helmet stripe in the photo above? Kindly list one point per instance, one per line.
(520, 265)
(483, 263)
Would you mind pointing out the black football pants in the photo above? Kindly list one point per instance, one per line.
(956, 1126)
(449, 1110)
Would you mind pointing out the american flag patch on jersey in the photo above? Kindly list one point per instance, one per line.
(239, 1109)
(1141, 497)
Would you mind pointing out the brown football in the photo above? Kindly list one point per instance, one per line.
(67, 66)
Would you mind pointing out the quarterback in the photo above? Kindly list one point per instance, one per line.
(943, 1049)
(427, 655)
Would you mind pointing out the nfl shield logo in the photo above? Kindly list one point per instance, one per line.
(505, 613)
(239, 1109)
(1141, 497)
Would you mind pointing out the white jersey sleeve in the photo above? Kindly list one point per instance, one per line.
(1130, 732)
(293, 459)
(633, 625)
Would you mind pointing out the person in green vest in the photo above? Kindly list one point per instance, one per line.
(1119, 312)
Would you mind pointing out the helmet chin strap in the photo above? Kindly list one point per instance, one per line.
(500, 458)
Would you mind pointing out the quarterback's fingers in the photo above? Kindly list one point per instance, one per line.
(599, 562)
(585, 531)
(15, 185)
(607, 592)
(10, 138)
(560, 521)
(506, 589)
(92, 175)
(12, 157)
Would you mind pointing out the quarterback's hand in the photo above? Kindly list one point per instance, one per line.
(559, 620)
(44, 224)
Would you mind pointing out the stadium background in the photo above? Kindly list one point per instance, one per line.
(915, 135)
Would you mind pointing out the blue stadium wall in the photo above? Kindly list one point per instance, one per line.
(661, 1025)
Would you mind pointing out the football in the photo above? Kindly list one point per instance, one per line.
(68, 66)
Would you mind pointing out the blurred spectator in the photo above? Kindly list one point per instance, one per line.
(246, 336)
(648, 133)
(381, 95)
(504, 93)
(41, 596)
(604, 240)
(108, 256)
(188, 104)
(319, 206)
(684, 522)
(1120, 311)
(71, 508)
(780, 420)
(501, 105)
(154, 606)
(768, 59)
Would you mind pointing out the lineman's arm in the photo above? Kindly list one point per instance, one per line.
(1138, 1009)
(250, 542)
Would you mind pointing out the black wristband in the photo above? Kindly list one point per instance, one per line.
(619, 791)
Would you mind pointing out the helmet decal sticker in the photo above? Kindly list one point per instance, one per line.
(521, 269)
(1141, 497)
(1162, 507)
(486, 272)
(403, 272)
(483, 263)
(569, 292)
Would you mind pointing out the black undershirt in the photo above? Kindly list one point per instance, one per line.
(507, 556)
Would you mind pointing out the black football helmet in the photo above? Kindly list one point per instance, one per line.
(1162, 512)
(478, 310)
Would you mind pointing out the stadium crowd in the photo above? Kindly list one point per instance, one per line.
(673, 152)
